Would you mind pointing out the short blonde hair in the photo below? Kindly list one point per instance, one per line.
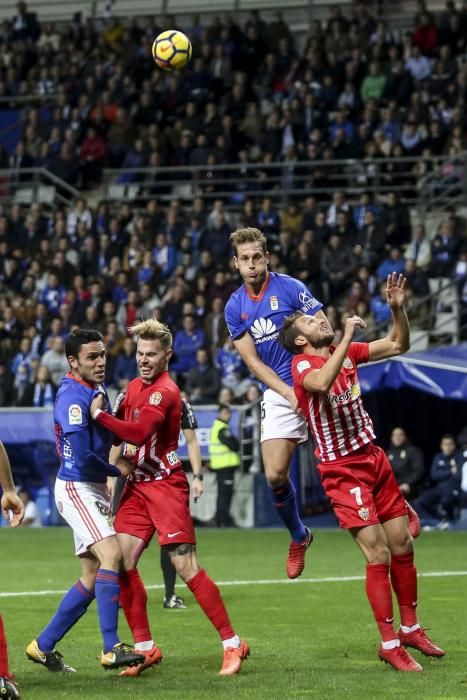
(248, 235)
(153, 330)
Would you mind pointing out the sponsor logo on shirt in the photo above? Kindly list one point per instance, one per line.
(303, 365)
(155, 398)
(352, 393)
(306, 301)
(274, 302)
(75, 415)
(263, 329)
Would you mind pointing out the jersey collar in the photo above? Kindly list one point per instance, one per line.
(69, 375)
(258, 297)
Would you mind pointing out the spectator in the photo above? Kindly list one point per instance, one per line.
(203, 381)
(440, 500)
(444, 250)
(233, 373)
(419, 249)
(55, 360)
(406, 462)
(125, 368)
(224, 460)
(187, 342)
(392, 263)
(41, 392)
(337, 265)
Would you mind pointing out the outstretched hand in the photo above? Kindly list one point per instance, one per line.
(395, 290)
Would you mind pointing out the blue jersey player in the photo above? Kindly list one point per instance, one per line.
(254, 315)
(83, 499)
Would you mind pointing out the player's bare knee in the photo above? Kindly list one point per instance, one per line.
(109, 554)
(402, 545)
(185, 561)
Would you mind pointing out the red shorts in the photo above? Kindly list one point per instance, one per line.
(161, 506)
(362, 488)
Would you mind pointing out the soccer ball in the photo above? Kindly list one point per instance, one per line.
(171, 50)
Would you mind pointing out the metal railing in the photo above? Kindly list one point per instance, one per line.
(435, 181)
(436, 314)
(30, 185)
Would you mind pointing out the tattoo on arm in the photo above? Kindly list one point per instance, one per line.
(179, 550)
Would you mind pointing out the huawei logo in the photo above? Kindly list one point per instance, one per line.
(261, 328)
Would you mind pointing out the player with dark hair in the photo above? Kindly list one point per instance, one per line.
(83, 500)
(254, 316)
(356, 474)
(156, 496)
(10, 503)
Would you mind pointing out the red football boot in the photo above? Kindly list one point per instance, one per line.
(152, 658)
(414, 521)
(419, 640)
(233, 659)
(399, 658)
(296, 558)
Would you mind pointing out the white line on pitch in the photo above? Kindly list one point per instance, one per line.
(255, 582)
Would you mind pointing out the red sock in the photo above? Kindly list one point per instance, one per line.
(133, 599)
(210, 600)
(3, 651)
(378, 590)
(404, 582)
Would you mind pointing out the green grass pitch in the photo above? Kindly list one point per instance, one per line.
(308, 639)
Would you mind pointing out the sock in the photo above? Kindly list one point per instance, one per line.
(169, 573)
(107, 595)
(210, 600)
(3, 651)
(284, 498)
(404, 583)
(233, 643)
(133, 599)
(378, 590)
(391, 645)
(72, 606)
(413, 628)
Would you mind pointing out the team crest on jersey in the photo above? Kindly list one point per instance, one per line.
(129, 450)
(155, 398)
(303, 365)
(75, 414)
(364, 513)
(347, 364)
(274, 302)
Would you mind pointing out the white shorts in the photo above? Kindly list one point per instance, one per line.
(87, 509)
(279, 421)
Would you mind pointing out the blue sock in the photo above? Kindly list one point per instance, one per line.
(284, 498)
(72, 606)
(107, 595)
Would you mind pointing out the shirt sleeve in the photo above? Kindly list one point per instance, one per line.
(188, 416)
(84, 456)
(72, 411)
(301, 298)
(301, 366)
(358, 352)
(233, 320)
(150, 419)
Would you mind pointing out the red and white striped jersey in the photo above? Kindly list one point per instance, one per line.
(338, 421)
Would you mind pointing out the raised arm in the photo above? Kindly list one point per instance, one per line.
(398, 340)
(321, 380)
(265, 374)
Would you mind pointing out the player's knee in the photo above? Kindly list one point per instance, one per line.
(276, 476)
(378, 553)
(403, 544)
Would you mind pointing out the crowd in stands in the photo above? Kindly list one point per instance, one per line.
(356, 90)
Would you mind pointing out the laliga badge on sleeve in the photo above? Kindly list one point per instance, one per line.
(155, 398)
(303, 365)
(75, 415)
